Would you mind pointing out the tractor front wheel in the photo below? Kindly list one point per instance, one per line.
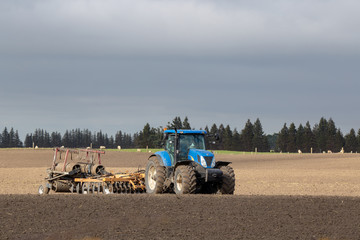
(184, 180)
(154, 176)
(228, 180)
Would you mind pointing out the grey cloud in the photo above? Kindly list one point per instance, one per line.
(118, 64)
(180, 27)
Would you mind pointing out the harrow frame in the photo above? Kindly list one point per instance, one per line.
(88, 175)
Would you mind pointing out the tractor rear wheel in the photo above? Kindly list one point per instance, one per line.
(184, 180)
(154, 176)
(228, 180)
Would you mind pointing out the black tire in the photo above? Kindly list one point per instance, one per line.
(154, 176)
(184, 180)
(228, 180)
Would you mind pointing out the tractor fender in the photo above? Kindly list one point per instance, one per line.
(163, 158)
(221, 163)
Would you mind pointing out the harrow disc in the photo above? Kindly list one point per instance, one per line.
(78, 188)
(106, 189)
(85, 188)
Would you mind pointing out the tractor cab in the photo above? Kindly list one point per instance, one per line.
(182, 144)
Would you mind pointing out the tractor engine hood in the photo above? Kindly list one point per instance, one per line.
(202, 157)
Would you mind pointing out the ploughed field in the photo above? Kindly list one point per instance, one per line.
(277, 196)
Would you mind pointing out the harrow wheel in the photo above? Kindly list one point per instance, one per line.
(43, 189)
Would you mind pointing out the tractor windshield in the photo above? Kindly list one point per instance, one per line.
(188, 141)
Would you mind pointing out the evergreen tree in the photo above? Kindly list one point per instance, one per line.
(227, 138)
(272, 139)
(18, 142)
(236, 142)
(47, 140)
(111, 143)
(145, 136)
(207, 129)
(5, 137)
(358, 141)
(85, 138)
(331, 136)
(176, 123)
(351, 144)
(55, 139)
(28, 141)
(300, 138)
(128, 141)
(221, 131)
(292, 139)
(186, 124)
(119, 139)
(309, 138)
(339, 141)
(259, 139)
(66, 141)
(214, 129)
(12, 140)
(320, 132)
(100, 139)
(247, 136)
(149, 137)
(213, 132)
(283, 139)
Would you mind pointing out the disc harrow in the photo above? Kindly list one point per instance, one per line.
(86, 175)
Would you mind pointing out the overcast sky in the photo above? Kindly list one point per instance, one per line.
(118, 64)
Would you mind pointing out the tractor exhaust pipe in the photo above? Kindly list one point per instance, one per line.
(176, 152)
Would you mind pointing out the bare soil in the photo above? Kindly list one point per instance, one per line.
(178, 217)
(277, 196)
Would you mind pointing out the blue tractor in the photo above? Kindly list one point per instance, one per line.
(186, 167)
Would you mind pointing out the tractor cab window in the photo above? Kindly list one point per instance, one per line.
(169, 146)
(188, 141)
(170, 143)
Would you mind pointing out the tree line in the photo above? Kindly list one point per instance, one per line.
(324, 136)
(10, 139)
(78, 138)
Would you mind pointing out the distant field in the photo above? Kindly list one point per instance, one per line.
(23, 170)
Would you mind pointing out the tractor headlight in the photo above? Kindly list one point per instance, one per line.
(203, 162)
(213, 162)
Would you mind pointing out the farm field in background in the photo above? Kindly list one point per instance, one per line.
(23, 170)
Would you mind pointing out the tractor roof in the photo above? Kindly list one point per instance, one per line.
(185, 131)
